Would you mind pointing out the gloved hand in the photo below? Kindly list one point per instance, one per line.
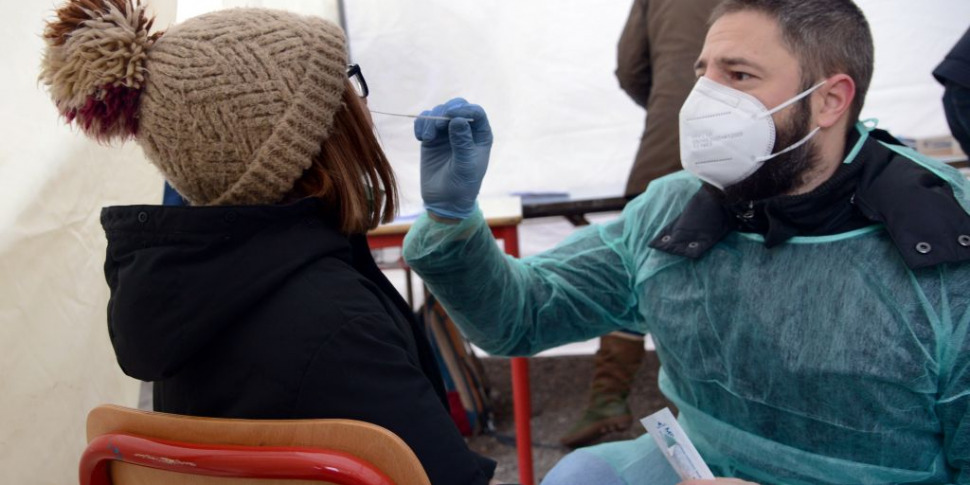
(454, 157)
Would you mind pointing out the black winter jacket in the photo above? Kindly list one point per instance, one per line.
(955, 68)
(268, 312)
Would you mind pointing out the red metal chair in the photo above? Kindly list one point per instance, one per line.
(128, 446)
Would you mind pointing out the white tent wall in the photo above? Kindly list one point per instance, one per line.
(543, 69)
(911, 38)
(56, 361)
(322, 8)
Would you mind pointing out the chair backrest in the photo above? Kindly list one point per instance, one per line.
(334, 441)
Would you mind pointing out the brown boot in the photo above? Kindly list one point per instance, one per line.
(617, 361)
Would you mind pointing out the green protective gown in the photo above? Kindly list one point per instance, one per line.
(822, 360)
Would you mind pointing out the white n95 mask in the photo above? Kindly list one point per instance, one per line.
(726, 134)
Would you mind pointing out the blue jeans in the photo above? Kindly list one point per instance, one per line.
(634, 462)
(956, 105)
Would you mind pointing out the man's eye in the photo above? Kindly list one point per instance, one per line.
(740, 76)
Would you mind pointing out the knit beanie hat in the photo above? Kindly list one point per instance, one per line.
(231, 106)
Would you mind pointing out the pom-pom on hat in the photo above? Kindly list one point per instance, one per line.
(231, 106)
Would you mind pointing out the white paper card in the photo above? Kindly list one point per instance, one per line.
(675, 445)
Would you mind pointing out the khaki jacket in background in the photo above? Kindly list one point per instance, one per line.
(655, 66)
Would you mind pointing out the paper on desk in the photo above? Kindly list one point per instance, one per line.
(542, 197)
(675, 445)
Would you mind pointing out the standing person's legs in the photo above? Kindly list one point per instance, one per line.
(634, 462)
(616, 364)
(956, 105)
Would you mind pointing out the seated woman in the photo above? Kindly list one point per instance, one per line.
(261, 299)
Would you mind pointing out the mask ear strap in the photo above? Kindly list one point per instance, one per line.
(792, 147)
(794, 100)
(783, 106)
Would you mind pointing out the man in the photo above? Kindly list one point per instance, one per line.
(806, 280)
(655, 55)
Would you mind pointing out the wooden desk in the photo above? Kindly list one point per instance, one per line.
(503, 217)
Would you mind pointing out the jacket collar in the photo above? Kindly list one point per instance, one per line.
(929, 228)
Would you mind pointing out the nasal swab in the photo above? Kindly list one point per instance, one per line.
(422, 117)
(676, 446)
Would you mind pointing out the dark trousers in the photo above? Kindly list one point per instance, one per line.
(956, 104)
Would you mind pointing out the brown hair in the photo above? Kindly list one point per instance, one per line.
(351, 175)
(827, 36)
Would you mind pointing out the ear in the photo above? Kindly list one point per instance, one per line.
(834, 100)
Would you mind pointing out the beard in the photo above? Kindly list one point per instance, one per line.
(784, 173)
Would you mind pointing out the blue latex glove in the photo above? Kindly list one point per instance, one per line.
(454, 157)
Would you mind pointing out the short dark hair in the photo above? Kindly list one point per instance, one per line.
(827, 37)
